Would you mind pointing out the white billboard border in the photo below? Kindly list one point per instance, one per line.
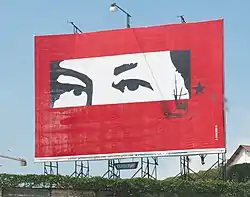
(175, 153)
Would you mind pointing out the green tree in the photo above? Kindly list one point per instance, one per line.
(239, 173)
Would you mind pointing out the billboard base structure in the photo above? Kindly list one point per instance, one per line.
(147, 169)
(81, 169)
(50, 168)
(112, 172)
(185, 170)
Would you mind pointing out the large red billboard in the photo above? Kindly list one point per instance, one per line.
(135, 92)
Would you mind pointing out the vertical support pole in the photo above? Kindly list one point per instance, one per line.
(128, 21)
(112, 172)
(222, 165)
(150, 169)
(184, 166)
(50, 168)
(81, 169)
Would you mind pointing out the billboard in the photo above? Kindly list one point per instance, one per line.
(136, 92)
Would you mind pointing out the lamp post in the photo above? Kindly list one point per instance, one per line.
(75, 28)
(22, 161)
(114, 7)
(182, 18)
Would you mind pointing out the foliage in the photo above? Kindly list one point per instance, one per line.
(239, 172)
(130, 187)
(211, 174)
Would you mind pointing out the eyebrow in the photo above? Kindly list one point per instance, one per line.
(125, 67)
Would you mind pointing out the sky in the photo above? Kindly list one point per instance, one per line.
(21, 20)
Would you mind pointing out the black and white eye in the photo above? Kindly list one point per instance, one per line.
(59, 86)
(131, 84)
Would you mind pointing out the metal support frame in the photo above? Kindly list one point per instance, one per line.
(112, 172)
(222, 161)
(184, 166)
(148, 168)
(147, 171)
(81, 169)
(75, 28)
(50, 168)
(185, 169)
(182, 18)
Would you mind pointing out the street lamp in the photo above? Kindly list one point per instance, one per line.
(22, 161)
(114, 7)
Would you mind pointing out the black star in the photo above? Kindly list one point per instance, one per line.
(199, 88)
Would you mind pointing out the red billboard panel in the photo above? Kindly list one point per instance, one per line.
(153, 91)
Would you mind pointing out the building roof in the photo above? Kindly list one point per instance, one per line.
(236, 153)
